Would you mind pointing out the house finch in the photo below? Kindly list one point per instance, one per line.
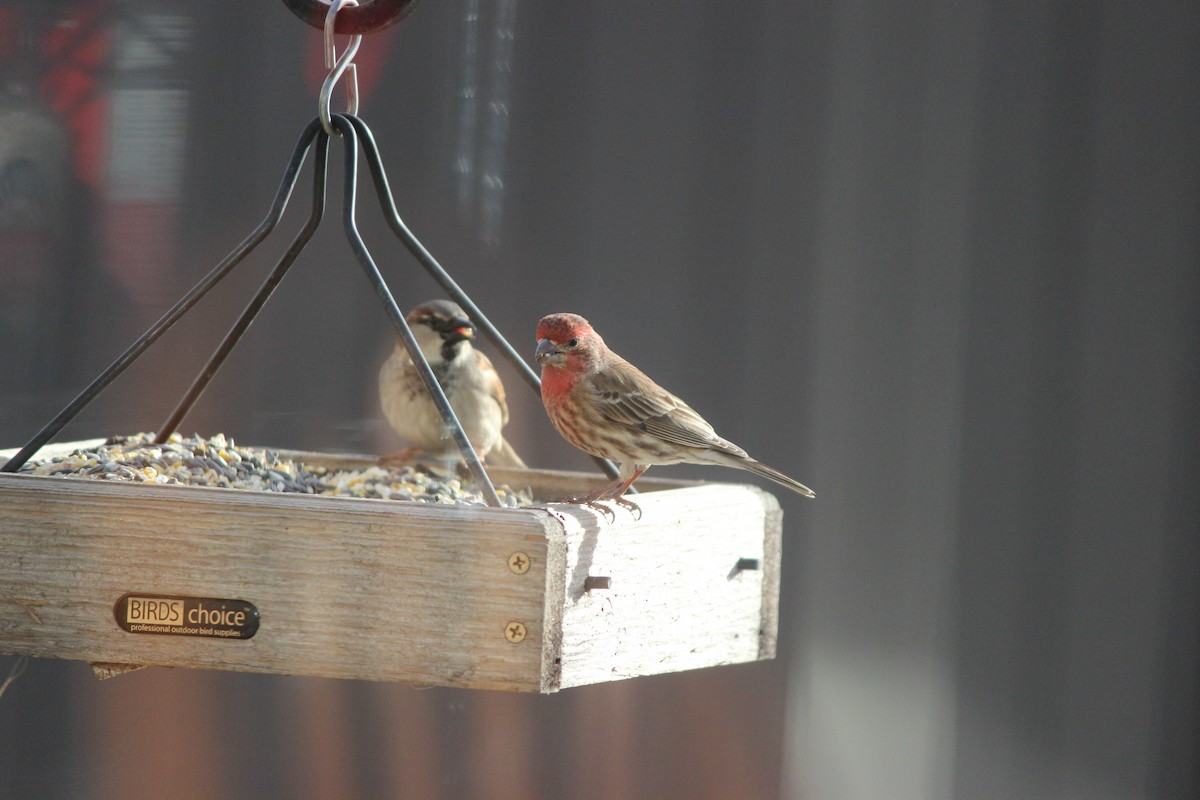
(444, 334)
(607, 407)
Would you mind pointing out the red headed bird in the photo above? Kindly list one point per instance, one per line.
(607, 407)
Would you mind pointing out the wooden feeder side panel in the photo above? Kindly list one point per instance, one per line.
(345, 588)
(666, 592)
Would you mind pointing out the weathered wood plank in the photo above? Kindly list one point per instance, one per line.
(675, 598)
(345, 587)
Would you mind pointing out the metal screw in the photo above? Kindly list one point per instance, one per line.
(519, 563)
(514, 632)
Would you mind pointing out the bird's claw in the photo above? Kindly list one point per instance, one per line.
(593, 501)
(610, 516)
(633, 507)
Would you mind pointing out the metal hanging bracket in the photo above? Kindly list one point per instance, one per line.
(354, 133)
(338, 66)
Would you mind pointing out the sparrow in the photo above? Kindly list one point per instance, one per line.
(609, 408)
(444, 333)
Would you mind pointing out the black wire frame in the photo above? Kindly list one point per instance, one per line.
(354, 132)
(392, 216)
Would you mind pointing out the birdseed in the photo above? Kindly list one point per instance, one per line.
(218, 462)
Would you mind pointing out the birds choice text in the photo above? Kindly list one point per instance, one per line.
(187, 616)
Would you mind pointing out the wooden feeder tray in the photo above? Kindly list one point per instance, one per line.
(530, 599)
(124, 575)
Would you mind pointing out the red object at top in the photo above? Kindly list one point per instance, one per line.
(76, 51)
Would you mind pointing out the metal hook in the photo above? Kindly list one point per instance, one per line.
(336, 67)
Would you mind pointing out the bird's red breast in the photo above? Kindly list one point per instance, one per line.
(573, 421)
(557, 383)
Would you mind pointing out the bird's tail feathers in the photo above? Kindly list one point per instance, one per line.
(503, 455)
(783, 480)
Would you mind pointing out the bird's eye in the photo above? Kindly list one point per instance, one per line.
(573, 343)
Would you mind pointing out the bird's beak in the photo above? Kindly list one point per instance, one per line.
(545, 349)
(459, 329)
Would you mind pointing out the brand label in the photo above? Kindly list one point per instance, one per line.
(186, 616)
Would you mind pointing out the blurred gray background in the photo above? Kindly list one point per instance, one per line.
(939, 261)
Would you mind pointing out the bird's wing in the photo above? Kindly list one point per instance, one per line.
(626, 396)
(495, 387)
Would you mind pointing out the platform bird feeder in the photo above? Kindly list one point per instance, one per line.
(536, 598)
(530, 599)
